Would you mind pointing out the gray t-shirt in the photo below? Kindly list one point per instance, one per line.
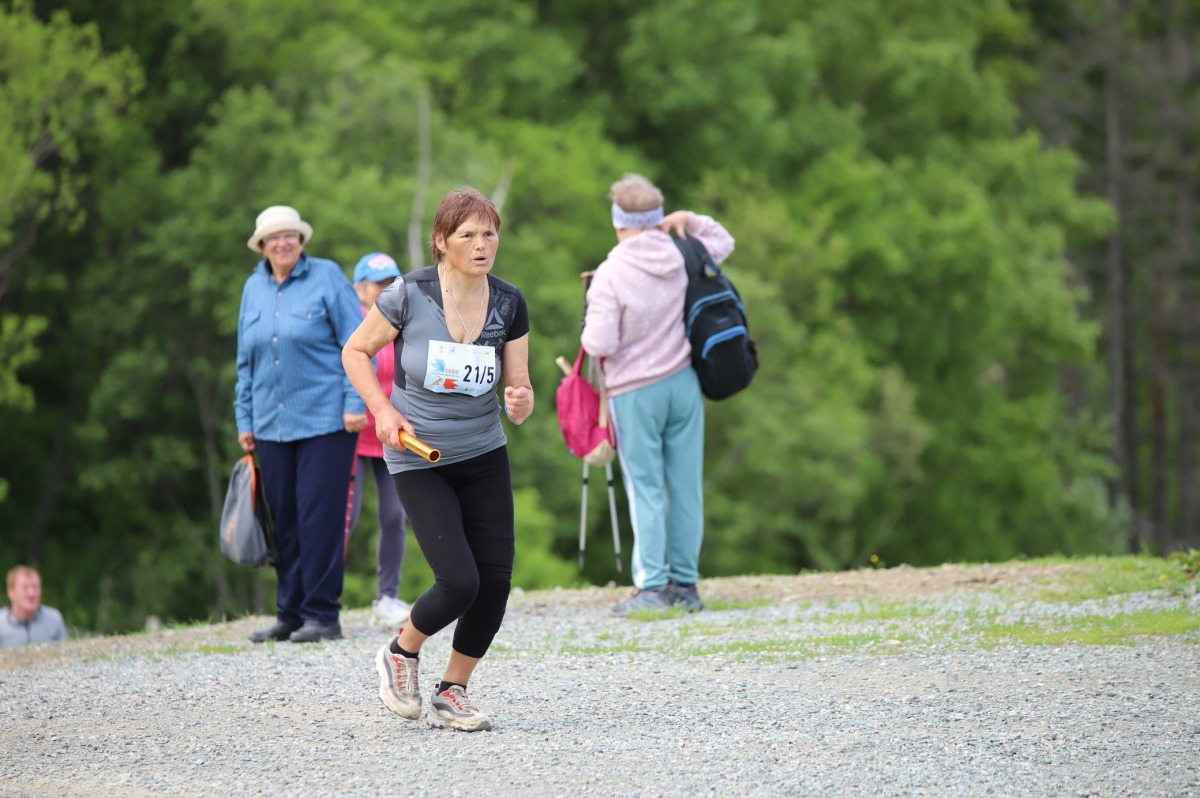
(461, 426)
(47, 625)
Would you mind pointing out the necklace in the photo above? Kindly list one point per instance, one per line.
(468, 338)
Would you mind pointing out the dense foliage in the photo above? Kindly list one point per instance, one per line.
(903, 236)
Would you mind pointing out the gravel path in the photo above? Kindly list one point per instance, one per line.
(751, 700)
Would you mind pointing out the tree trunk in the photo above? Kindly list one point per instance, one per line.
(1185, 386)
(52, 485)
(503, 184)
(1124, 485)
(10, 257)
(204, 392)
(416, 219)
(1179, 35)
(1160, 386)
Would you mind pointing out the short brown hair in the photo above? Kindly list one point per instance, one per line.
(456, 207)
(635, 193)
(16, 571)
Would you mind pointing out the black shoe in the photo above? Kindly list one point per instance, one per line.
(277, 631)
(312, 631)
(685, 596)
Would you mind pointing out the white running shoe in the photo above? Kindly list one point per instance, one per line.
(398, 683)
(389, 611)
(451, 709)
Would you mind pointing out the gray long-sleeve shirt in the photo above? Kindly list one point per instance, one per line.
(47, 625)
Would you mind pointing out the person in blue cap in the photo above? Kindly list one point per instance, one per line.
(373, 273)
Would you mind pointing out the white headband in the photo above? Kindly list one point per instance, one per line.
(623, 218)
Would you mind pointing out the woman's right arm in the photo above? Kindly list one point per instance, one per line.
(601, 335)
(373, 334)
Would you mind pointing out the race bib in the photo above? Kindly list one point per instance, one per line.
(460, 368)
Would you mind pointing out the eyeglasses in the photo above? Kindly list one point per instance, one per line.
(290, 235)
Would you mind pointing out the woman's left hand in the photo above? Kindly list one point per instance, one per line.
(354, 422)
(518, 403)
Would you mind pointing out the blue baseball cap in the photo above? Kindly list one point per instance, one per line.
(377, 266)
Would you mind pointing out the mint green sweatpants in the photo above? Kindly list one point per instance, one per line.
(660, 442)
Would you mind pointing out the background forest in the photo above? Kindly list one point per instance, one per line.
(966, 237)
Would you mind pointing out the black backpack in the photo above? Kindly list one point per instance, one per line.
(723, 354)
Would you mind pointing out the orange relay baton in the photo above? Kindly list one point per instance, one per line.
(420, 447)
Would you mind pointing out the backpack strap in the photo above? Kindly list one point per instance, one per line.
(696, 259)
(596, 378)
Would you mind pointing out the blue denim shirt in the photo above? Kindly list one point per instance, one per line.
(290, 380)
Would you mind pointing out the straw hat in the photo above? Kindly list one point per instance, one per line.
(277, 219)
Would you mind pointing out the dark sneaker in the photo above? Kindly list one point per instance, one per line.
(311, 632)
(451, 709)
(685, 596)
(398, 682)
(655, 600)
(276, 631)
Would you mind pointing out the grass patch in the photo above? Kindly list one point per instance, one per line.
(718, 605)
(804, 647)
(882, 610)
(215, 648)
(1100, 577)
(705, 630)
(602, 651)
(657, 615)
(1095, 630)
(204, 649)
(1041, 609)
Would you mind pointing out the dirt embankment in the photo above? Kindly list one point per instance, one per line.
(899, 582)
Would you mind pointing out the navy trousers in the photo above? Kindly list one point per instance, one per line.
(306, 482)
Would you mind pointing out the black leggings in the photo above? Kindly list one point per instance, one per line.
(462, 517)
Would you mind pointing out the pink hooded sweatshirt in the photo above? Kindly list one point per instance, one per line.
(634, 314)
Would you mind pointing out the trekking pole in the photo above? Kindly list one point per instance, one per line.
(587, 281)
(612, 513)
(596, 375)
(583, 515)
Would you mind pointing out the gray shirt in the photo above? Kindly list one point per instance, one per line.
(459, 425)
(47, 625)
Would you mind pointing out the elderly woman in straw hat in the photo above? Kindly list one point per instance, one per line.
(295, 407)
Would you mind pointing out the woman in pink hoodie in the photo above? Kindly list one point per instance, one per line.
(634, 322)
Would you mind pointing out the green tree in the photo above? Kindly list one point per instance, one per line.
(936, 237)
(901, 247)
(60, 93)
